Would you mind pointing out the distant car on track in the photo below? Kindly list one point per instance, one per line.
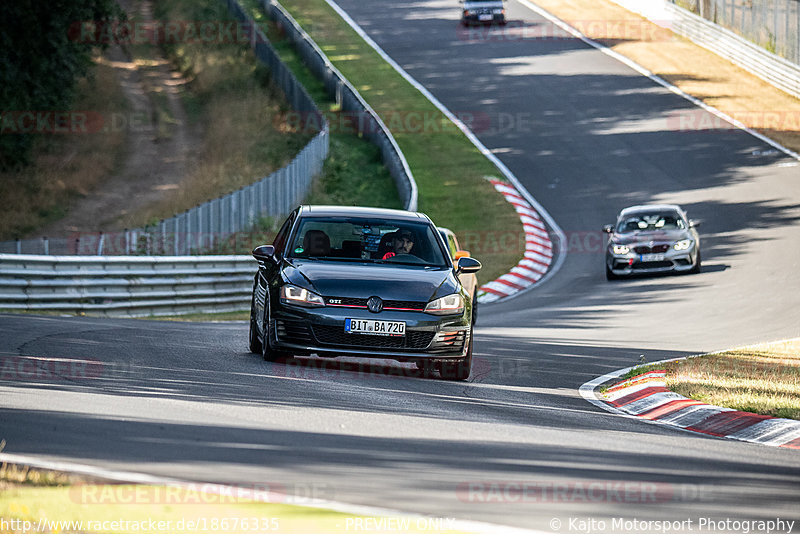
(652, 239)
(363, 282)
(482, 12)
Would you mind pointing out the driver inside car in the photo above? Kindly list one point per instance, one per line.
(402, 242)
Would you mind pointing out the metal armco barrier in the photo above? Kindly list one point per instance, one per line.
(135, 286)
(770, 67)
(776, 70)
(368, 122)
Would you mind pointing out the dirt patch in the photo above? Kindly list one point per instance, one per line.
(160, 143)
(695, 70)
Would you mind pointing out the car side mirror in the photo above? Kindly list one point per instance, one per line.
(468, 265)
(608, 228)
(461, 254)
(693, 224)
(264, 253)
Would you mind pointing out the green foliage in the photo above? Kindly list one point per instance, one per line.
(45, 52)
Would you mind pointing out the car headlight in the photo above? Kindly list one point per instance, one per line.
(684, 244)
(449, 305)
(300, 296)
(621, 249)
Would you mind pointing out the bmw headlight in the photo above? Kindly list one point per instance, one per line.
(684, 244)
(621, 249)
(449, 305)
(300, 296)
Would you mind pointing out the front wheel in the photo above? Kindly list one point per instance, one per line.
(268, 352)
(697, 263)
(610, 275)
(255, 342)
(459, 370)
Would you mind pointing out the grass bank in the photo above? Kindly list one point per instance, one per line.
(65, 165)
(763, 379)
(30, 499)
(450, 172)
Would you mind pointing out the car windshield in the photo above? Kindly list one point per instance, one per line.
(367, 241)
(649, 221)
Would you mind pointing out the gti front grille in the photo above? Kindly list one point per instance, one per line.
(387, 304)
(335, 335)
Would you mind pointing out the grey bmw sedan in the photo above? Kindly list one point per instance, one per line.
(652, 238)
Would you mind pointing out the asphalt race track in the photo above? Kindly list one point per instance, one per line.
(516, 445)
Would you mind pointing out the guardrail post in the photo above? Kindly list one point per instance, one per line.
(46, 246)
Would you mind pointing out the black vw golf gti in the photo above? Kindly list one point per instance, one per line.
(362, 282)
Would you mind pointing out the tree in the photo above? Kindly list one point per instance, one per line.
(41, 59)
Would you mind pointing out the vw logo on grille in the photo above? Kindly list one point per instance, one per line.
(374, 304)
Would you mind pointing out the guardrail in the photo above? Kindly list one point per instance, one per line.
(770, 67)
(132, 286)
(771, 24)
(368, 123)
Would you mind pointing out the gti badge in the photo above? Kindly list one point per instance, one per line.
(374, 304)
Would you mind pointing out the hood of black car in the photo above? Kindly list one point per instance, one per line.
(355, 280)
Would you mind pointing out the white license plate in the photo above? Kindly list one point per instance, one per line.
(485, 17)
(652, 257)
(375, 328)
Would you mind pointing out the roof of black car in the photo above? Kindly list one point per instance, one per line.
(355, 211)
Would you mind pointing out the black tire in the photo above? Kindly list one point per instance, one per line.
(267, 351)
(697, 264)
(474, 308)
(610, 275)
(255, 342)
(459, 370)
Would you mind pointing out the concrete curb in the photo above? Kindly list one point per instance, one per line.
(646, 396)
(538, 250)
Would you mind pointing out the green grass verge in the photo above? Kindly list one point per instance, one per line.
(450, 171)
(762, 379)
(239, 316)
(354, 174)
(60, 503)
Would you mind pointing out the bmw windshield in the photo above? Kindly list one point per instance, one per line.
(367, 241)
(650, 221)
